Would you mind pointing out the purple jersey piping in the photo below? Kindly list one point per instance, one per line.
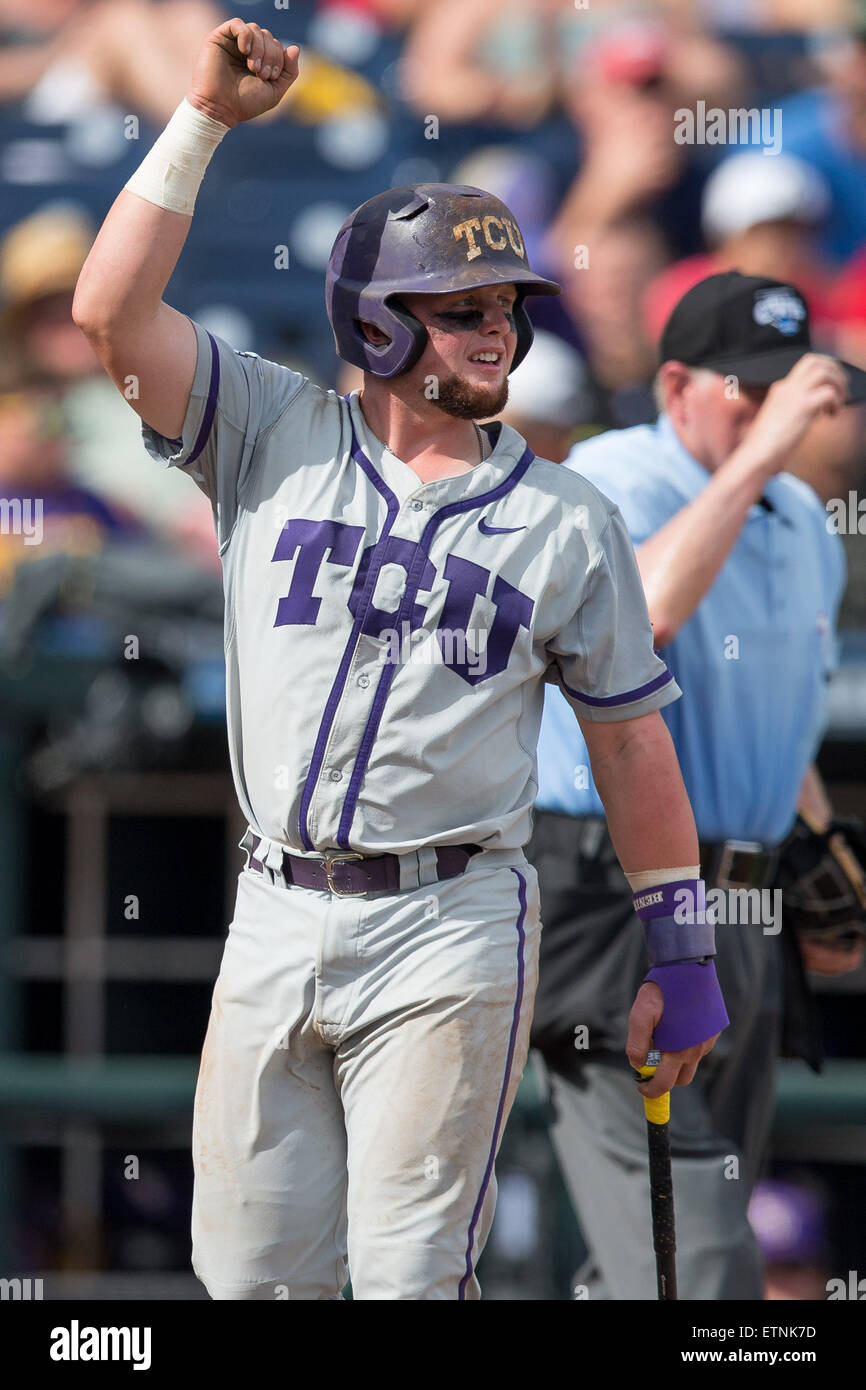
(626, 698)
(512, 1042)
(333, 701)
(210, 405)
(413, 580)
(365, 748)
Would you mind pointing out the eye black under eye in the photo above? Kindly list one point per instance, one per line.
(469, 319)
(466, 319)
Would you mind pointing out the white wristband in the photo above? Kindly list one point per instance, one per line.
(171, 172)
(651, 878)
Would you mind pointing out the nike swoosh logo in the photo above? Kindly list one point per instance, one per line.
(497, 530)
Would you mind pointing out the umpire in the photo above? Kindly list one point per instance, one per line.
(743, 582)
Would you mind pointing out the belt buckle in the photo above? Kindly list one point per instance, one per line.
(731, 850)
(330, 861)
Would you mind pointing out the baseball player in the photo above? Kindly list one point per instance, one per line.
(399, 584)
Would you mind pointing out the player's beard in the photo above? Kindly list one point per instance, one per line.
(458, 398)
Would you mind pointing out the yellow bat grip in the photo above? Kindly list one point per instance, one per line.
(658, 1110)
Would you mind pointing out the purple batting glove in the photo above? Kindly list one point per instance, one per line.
(694, 1009)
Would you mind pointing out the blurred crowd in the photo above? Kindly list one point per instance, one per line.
(568, 111)
(576, 114)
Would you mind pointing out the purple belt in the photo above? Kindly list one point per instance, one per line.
(352, 875)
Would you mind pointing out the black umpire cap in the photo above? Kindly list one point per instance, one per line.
(744, 326)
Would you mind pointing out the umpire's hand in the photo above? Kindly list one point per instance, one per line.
(242, 72)
(815, 385)
(676, 1068)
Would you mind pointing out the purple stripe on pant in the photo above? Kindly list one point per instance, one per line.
(512, 1040)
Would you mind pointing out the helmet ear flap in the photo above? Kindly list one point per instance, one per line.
(413, 326)
(406, 341)
(525, 332)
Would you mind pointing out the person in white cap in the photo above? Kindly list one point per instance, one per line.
(747, 190)
(759, 216)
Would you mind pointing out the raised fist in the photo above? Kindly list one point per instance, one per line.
(241, 72)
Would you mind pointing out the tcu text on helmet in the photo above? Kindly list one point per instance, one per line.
(498, 232)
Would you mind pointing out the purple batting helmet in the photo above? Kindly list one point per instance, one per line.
(426, 238)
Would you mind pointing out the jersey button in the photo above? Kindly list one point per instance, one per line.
(363, 681)
(417, 506)
(335, 775)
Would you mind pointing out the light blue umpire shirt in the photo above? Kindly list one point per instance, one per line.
(752, 662)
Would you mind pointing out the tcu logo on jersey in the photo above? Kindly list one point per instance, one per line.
(334, 543)
(498, 232)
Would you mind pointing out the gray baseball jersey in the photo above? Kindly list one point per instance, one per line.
(387, 640)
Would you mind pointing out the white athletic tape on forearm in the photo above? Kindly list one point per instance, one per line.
(651, 878)
(171, 172)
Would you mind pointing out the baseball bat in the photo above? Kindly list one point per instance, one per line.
(658, 1114)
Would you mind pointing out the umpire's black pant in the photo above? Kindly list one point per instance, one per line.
(591, 966)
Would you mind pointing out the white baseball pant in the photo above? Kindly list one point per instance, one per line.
(361, 1060)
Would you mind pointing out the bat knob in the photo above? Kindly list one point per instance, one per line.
(653, 1059)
